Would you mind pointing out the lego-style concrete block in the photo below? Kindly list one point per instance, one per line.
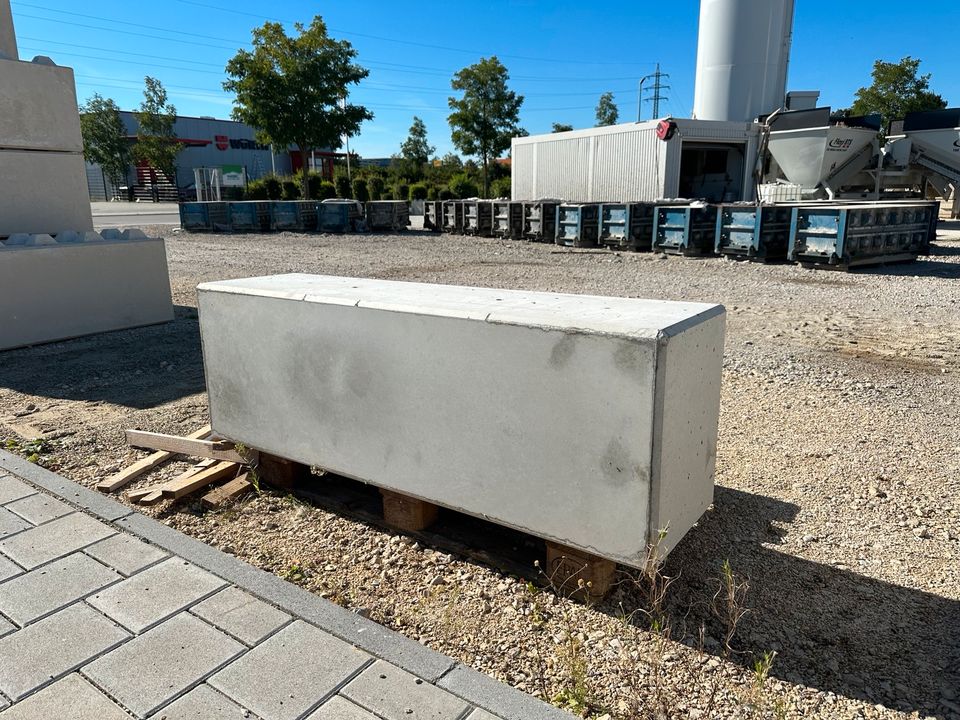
(589, 421)
(39, 108)
(43, 192)
(60, 291)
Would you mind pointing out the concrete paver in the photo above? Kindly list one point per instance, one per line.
(11, 523)
(202, 703)
(53, 647)
(125, 553)
(288, 674)
(157, 666)
(480, 714)
(337, 708)
(8, 568)
(51, 587)
(240, 614)
(39, 508)
(151, 596)
(12, 489)
(396, 695)
(6, 626)
(54, 539)
(85, 702)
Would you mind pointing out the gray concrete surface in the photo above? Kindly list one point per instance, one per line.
(205, 635)
(606, 406)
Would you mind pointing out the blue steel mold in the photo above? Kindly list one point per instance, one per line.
(578, 225)
(685, 229)
(627, 226)
(754, 232)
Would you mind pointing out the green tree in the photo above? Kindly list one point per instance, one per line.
(487, 116)
(607, 112)
(157, 144)
(561, 127)
(105, 138)
(897, 89)
(294, 89)
(415, 149)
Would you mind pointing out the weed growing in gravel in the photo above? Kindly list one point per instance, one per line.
(32, 450)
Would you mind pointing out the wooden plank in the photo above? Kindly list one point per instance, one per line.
(215, 449)
(233, 489)
(190, 482)
(134, 471)
(407, 513)
(153, 493)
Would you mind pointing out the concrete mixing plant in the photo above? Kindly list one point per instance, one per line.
(743, 117)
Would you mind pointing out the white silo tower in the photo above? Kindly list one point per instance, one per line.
(742, 58)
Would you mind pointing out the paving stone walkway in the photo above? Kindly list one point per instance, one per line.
(106, 614)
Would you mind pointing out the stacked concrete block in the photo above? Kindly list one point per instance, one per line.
(588, 421)
(59, 279)
(43, 183)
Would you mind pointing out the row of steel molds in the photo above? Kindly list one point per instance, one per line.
(540, 220)
(433, 215)
(478, 217)
(453, 217)
(689, 229)
(508, 219)
(578, 225)
(627, 226)
(249, 216)
(753, 232)
(856, 234)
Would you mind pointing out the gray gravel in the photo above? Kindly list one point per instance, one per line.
(837, 499)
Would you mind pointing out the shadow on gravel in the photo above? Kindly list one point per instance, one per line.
(925, 267)
(832, 628)
(139, 368)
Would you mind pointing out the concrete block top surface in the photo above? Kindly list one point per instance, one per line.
(624, 317)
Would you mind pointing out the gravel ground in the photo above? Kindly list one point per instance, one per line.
(837, 483)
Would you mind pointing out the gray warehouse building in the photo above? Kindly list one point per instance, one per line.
(207, 143)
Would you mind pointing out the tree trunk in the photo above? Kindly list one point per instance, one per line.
(486, 181)
(305, 193)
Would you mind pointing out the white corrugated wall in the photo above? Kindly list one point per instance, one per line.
(618, 163)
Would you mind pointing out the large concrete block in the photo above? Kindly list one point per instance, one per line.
(590, 421)
(39, 107)
(43, 192)
(60, 291)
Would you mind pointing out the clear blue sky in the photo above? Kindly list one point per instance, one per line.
(561, 55)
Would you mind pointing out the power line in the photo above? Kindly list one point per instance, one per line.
(394, 67)
(414, 43)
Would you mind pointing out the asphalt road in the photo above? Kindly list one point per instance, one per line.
(123, 214)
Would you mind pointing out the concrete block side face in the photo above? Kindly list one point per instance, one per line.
(39, 108)
(43, 192)
(543, 430)
(65, 291)
(690, 369)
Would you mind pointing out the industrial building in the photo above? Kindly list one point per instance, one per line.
(207, 142)
(749, 139)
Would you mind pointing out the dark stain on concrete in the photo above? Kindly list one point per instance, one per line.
(562, 351)
(618, 466)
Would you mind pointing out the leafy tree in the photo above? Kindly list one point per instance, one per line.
(415, 149)
(294, 89)
(487, 116)
(896, 90)
(607, 112)
(105, 138)
(561, 127)
(157, 144)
